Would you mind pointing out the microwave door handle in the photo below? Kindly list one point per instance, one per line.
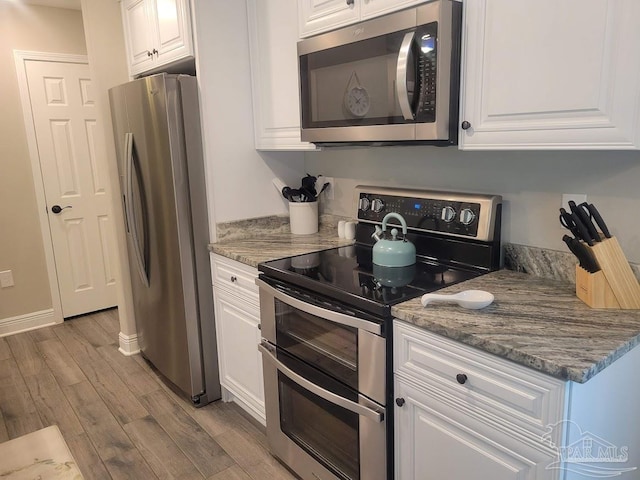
(401, 76)
(321, 392)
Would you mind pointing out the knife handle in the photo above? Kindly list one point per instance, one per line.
(587, 231)
(593, 211)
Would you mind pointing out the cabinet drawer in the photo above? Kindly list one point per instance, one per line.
(515, 393)
(235, 277)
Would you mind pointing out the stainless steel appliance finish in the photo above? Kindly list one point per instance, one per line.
(160, 164)
(463, 215)
(328, 421)
(326, 326)
(387, 80)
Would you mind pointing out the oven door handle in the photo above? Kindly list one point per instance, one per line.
(321, 392)
(336, 317)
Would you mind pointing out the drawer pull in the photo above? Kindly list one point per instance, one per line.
(461, 378)
(400, 401)
(234, 279)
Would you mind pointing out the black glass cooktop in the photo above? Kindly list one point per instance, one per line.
(348, 275)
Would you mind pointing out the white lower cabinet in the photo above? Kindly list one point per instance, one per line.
(238, 334)
(463, 414)
(437, 438)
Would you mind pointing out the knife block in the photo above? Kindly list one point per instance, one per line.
(615, 285)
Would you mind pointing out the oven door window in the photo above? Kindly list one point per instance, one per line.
(330, 347)
(327, 432)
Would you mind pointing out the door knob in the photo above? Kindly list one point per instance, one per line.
(57, 208)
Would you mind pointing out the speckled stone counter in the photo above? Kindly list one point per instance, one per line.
(535, 322)
(270, 239)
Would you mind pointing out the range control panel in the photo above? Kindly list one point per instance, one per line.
(451, 213)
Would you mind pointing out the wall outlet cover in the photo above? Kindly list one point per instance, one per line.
(6, 279)
(576, 197)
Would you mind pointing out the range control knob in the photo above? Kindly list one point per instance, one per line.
(448, 214)
(364, 204)
(377, 205)
(467, 216)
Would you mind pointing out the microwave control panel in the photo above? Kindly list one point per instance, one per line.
(427, 72)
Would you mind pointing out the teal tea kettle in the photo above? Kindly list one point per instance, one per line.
(394, 252)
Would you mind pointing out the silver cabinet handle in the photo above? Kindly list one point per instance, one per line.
(323, 313)
(401, 76)
(321, 392)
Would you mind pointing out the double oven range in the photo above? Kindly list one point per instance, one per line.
(326, 327)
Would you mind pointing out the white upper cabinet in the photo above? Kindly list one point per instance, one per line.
(274, 74)
(318, 16)
(157, 33)
(543, 74)
(375, 8)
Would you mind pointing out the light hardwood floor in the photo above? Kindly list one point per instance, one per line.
(118, 418)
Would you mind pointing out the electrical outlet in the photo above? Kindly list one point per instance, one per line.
(6, 279)
(328, 193)
(576, 197)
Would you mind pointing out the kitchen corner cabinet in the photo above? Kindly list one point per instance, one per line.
(318, 16)
(550, 75)
(157, 33)
(238, 334)
(274, 75)
(462, 413)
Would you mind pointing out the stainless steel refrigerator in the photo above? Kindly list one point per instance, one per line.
(160, 163)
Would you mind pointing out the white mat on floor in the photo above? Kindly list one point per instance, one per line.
(42, 454)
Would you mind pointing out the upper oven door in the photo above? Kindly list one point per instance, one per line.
(379, 80)
(345, 347)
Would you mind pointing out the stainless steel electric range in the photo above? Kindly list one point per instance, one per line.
(326, 326)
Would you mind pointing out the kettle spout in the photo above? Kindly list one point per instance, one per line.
(377, 233)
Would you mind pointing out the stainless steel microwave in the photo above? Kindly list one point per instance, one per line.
(384, 81)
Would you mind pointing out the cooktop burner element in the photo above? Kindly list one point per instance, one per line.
(347, 274)
(456, 238)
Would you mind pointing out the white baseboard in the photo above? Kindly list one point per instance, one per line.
(26, 322)
(128, 344)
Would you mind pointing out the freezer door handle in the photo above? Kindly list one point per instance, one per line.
(129, 213)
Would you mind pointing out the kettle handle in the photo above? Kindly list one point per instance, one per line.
(397, 216)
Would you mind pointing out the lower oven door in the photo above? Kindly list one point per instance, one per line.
(318, 426)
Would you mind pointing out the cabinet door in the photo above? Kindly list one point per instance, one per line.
(317, 16)
(551, 75)
(238, 337)
(172, 30)
(138, 36)
(274, 73)
(436, 439)
(375, 8)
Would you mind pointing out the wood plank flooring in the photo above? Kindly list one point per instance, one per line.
(118, 418)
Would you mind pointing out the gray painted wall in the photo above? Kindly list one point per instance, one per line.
(531, 183)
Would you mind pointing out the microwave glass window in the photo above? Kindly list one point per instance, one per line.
(355, 84)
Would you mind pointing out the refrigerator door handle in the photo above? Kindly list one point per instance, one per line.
(130, 219)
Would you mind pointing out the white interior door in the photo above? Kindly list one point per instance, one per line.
(65, 122)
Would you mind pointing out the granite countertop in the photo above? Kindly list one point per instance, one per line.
(259, 248)
(533, 321)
